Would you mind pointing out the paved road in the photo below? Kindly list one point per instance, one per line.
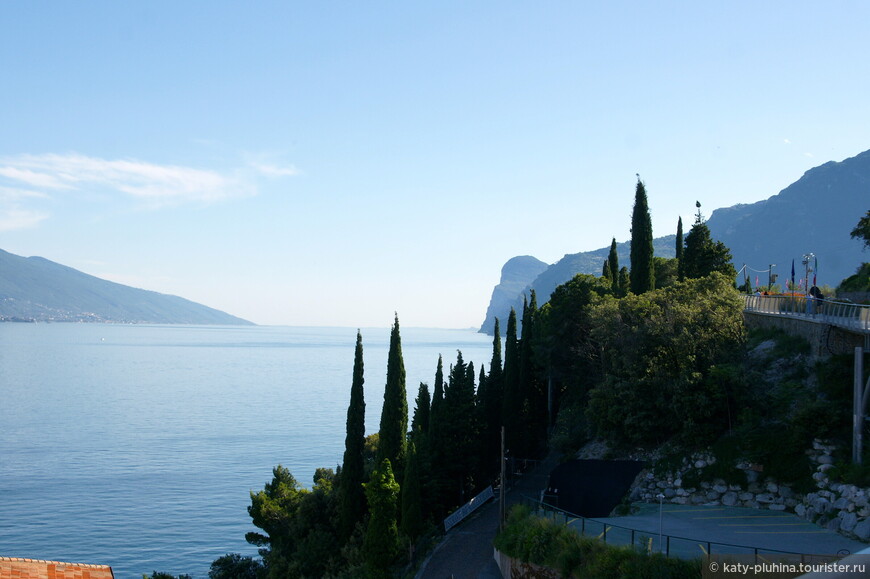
(466, 551)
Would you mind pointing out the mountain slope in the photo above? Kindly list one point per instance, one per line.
(814, 214)
(34, 288)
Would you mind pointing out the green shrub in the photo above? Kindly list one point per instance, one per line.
(544, 542)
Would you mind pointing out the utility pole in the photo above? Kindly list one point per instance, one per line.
(770, 277)
(502, 486)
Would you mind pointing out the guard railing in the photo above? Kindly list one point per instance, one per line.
(830, 311)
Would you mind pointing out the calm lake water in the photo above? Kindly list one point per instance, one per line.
(137, 446)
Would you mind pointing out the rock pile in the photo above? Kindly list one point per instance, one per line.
(839, 507)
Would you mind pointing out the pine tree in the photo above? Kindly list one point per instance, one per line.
(381, 542)
(642, 274)
(702, 255)
(613, 263)
(679, 248)
(394, 415)
(352, 495)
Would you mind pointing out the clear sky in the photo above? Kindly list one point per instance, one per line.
(329, 163)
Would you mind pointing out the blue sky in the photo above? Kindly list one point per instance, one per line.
(330, 163)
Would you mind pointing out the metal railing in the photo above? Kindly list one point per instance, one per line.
(656, 542)
(851, 316)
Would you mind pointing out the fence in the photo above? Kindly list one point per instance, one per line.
(669, 545)
(841, 314)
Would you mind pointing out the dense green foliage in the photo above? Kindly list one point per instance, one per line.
(299, 525)
(659, 351)
(351, 498)
(862, 230)
(235, 566)
(544, 542)
(382, 535)
(642, 273)
(860, 282)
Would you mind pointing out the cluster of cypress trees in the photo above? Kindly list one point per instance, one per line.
(451, 450)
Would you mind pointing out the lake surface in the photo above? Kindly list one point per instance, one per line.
(137, 446)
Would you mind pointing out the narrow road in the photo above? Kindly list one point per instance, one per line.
(466, 551)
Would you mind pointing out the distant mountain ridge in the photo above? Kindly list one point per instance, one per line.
(36, 289)
(814, 214)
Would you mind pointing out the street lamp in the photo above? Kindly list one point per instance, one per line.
(770, 277)
(808, 257)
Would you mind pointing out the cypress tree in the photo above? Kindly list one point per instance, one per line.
(420, 421)
(381, 542)
(624, 282)
(605, 271)
(352, 505)
(439, 451)
(512, 405)
(679, 248)
(613, 263)
(394, 415)
(642, 274)
(492, 406)
(412, 499)
(533, 402)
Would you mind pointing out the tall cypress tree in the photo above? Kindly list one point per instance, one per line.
(512, 405)
(492, 406)
(679, 247)
(420, 421)
(352, 496)
(613, 263)
(412, 498)
(642, 274)
(532, 395)
(394, 415)
(439, 451)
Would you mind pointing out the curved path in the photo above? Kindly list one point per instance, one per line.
(466, 551)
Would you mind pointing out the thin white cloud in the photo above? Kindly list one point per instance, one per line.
(14, 218)
(786, 141)
(275, 171)
(157, 184)
(26, 178)
(13, 194)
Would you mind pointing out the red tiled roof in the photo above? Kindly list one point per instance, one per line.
(12, 568)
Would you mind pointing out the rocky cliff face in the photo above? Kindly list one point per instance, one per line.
(516, 275)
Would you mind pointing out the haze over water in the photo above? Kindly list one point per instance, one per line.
(136, 446)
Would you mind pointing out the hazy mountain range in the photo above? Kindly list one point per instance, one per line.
(35, 289)
(812, 215)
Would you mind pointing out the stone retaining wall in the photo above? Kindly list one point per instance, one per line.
(838, 507)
